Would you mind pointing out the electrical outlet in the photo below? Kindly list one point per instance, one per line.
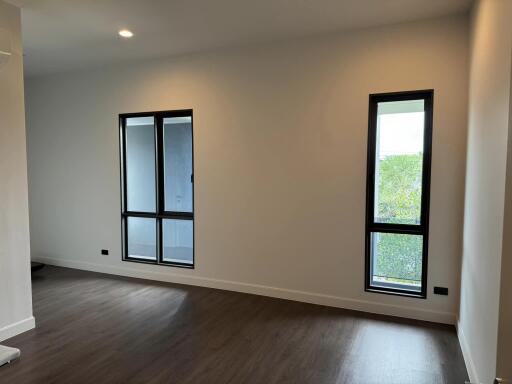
(441, 291)
(104, 252)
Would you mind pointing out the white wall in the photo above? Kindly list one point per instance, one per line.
(488, 125)
(504, 353)
(280, 161)
(15, 291)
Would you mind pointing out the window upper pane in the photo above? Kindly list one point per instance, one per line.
(178, 164)
(140, 164)
(399, 162)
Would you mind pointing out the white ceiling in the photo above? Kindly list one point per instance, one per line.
(61, 35)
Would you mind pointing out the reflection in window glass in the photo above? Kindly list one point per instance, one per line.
(399, 161)
(140, 164)
(141, 238)
(178, 164)
(178, 241)
(157, 187)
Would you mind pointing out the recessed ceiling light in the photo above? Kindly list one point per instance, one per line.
(125, 33)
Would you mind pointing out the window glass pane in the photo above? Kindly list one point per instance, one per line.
(178, 241)
(142, 238)
(399, 161)
(140, 164)
(396, 260)
(178, 164)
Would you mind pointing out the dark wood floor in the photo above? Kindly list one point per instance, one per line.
(95, 328)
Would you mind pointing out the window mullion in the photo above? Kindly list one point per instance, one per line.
(397, 228)
(159, 183)
(179, 235)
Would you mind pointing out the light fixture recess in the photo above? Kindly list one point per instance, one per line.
(125, 33)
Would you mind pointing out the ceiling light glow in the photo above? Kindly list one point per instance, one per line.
(125, 33)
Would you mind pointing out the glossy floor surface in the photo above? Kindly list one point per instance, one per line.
(95, 328)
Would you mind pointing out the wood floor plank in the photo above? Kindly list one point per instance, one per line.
(102, 329)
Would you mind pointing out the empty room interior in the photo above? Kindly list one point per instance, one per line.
(261, 192)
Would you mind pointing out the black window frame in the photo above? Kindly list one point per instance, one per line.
(410, 229)
(160, 213)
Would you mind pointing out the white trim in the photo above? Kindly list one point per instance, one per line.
(12, 330)
(150, 120)
(143, 121)
(178, 120)
(281, 293)
(466, 353)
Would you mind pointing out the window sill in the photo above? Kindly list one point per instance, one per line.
(176, 265)
(396, 292)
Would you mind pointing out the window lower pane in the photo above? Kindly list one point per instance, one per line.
(178, 241)
(396, 261)
(141, 238)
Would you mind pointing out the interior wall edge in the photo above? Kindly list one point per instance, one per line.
(15, 283)
(17, 328)
(485, 186)
(466, 353)
(262, 290)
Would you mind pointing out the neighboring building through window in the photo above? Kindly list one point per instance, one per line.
(398, 192)
(157, 187)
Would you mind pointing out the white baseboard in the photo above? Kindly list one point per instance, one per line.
(466, 352)
(12, 330)
(281, 293)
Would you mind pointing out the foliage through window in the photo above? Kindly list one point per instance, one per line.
(399, 152)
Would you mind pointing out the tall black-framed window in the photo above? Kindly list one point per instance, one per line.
(157, 187)
(398, 192)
